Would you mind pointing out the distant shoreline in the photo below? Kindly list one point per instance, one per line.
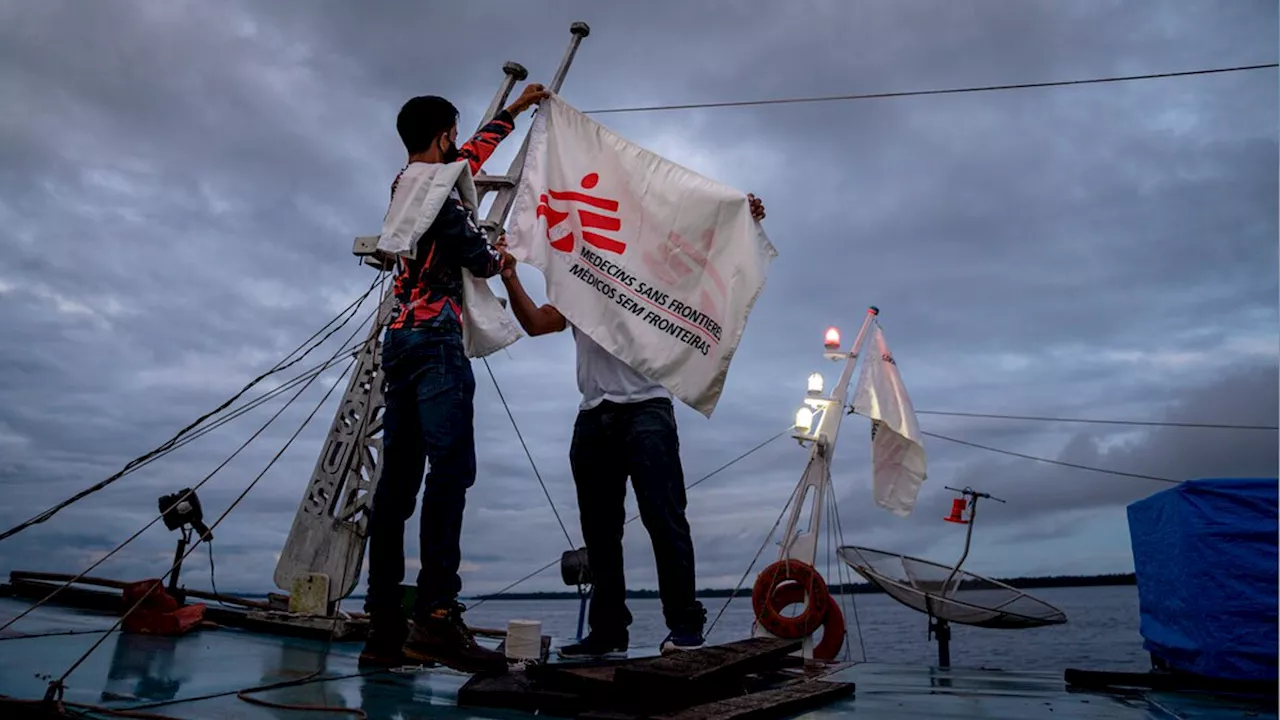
(1021, 583)
(1027, 583)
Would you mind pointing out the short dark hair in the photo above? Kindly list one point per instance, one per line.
(422, 119)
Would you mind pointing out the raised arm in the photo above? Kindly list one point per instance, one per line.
(478, 149)
(535, 319)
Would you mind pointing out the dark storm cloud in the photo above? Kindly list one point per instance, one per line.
(179, 185)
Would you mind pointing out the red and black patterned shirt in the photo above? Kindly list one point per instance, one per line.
(428, 290)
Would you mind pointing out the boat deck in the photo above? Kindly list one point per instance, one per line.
(199, 675)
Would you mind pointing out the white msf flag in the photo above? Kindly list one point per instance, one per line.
(657, 264)
(897, 451)
(422, 191)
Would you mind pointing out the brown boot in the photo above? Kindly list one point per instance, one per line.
(384, 646)
(440, 636)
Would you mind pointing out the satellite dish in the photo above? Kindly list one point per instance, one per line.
(968, 599)
(948, 594)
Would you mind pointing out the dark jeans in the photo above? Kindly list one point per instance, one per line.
(429, 409)
(611, 442)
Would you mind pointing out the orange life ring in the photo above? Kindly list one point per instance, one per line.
(806, 579)
(833, 630)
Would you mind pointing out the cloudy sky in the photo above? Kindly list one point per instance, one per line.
(180, 183)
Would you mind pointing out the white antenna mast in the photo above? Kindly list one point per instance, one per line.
(800, 542)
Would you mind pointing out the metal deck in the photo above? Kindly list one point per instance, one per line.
(131, 671)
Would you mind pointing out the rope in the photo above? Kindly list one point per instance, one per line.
(633, 518)
(157, 519)
(754, 560)
(308, 680)
(206, 479)
(215, 524)
(213, 582)
(1147, 423)
(59, 683)
(829, 535)
(853, 596)
(1052, 462)
(333, 631)
(81, 709)
(168, 444)
(717, 471)
(530, 576)
(528, 454)
(918, 93)
(243, 694)
(56, 633)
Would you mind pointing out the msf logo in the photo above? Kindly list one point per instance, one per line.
(588, 220)
(678, 262)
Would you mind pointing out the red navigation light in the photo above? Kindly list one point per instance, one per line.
(832, 338)
(957, 512)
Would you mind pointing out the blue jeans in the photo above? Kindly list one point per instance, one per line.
(611, 442)
(429, 411)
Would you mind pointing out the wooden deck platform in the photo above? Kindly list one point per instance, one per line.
(756, 678)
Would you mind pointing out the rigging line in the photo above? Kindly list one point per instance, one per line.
(261, 400)
(284, 683)
(528, 454)
(725, 466)
(831, 539)
(1052, 462)
(314, 676)
(530, 576)
(633, 518)
(1149, 423)
(243, 694)
(917, 93)
(829, 535)
(50, 512)
(755, 560)
(253, 404)
(350, 350)
(55, 633)
(67, 708)
(61, 680)
(198, 485)
(853, 596)
(213, 582)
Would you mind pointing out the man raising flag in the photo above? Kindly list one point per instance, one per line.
(655, 270)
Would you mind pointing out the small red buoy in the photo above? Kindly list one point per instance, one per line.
(957, 512)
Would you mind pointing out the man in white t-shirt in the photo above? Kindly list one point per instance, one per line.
(626, 427)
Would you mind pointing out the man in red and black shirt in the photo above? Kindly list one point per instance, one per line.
(429, 408)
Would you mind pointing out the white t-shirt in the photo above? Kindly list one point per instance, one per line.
(601, 376)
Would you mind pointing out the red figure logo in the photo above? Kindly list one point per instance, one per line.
(676, 259)
(586, 218)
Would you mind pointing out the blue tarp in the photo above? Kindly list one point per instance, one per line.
(1205, 556)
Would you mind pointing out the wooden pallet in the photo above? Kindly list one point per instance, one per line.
(754, 679)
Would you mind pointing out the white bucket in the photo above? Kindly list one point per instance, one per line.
(524, 640)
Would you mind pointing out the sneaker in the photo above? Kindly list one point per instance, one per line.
(442, 637)
(595, 647)
(681, 642)
(384, 645)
